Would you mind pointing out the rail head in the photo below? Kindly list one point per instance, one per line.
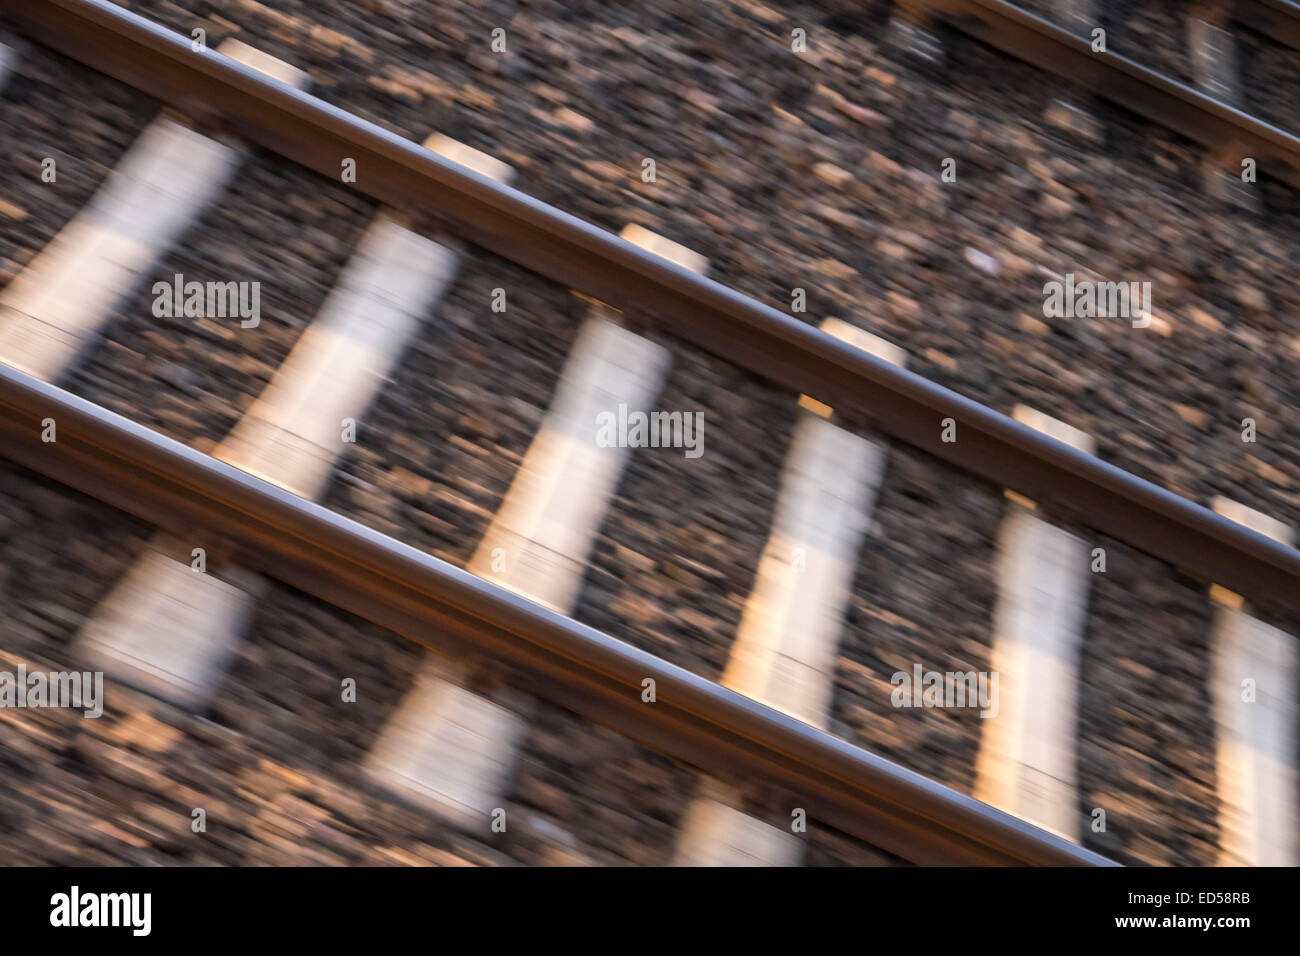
(438, 605)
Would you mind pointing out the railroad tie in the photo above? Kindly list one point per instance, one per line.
(913, 33)
(446, 746)
(1077, 16)
(1213, 53)
(785, 649)
(170, 630)
(52, 310)
(1254, 689)
(1027, 762)
(1072, 112)
(8, 59)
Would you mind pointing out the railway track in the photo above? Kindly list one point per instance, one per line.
(1206, 112)
(861, 380)
(651, 290)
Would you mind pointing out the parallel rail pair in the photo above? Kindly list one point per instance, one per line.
(433, 603)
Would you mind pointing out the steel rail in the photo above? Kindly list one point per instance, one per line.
(743, 331)
(260, 526)
(1220, 128)
(1277, 19)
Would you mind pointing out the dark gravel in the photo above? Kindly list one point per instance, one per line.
(56, 109)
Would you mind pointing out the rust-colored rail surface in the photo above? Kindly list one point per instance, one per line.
(342, 562)
(741, 330)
